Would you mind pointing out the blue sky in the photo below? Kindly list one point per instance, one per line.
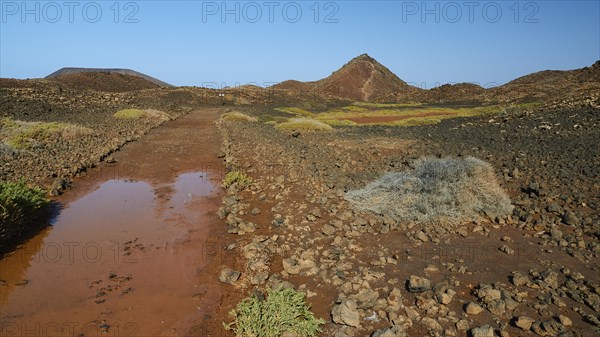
(426, 43)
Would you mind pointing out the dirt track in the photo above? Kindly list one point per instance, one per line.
(152, 216)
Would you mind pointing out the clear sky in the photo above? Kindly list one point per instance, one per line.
(200, 43)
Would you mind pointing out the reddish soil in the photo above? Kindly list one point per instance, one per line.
(389, 119)
(149, 221)
(101, 81)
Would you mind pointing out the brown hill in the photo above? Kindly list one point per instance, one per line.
(107, 80)
(361, 79)
(548, 84)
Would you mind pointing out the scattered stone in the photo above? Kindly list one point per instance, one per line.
(473, 308)
(366, 298)
(519, 279)
(431, 324)
(564, 320)
(570, 219)
(482, 331)
(488, 294)
(328, 229)
(291, 266)
(416, 284)
(395, 331)
(346, 313)
(229, 275)
(507, 250)
(524, 322)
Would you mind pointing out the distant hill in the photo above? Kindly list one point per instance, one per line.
(587, 74)
(109, 80)
(361, 79)
(548, 84)
(365, 79)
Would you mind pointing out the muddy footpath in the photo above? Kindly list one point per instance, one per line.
(134, 248)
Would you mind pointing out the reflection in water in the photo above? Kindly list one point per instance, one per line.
(14, 266)
(104, 258)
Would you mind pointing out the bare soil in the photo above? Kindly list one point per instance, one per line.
(150, 218)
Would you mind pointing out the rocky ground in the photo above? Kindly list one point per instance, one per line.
(54, 163)
(534, 272)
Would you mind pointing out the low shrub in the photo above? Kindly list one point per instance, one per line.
(236, 116)
(130, 114)
(303, 124)
(20, 206)
(237, 177)
(437, 190)
(296, 111)
(26, 135)
(283, 312)
(142, 113)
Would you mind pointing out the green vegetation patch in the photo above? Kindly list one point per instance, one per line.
(142, 113)
(296, 111)
(237, 177)
(282, 313)
(20, 206)
(130, 114)
(26, 135)
(303, 124)
(237, 116)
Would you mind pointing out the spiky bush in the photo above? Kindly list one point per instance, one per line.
(282, 312)
(303, 124)
(236, 116)
(449, 190)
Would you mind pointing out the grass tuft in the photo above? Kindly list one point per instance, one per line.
(237, 177)
(130, 114)
(438, 190)
(139, 114)
(282, 313)
(26, 135)
(303, 124)
(236, 116)
(300, 112)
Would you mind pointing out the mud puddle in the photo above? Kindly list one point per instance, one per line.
(131, 256)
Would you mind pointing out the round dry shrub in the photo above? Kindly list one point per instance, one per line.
(448, 190)
(236, 116)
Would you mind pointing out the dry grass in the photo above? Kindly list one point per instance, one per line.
(303, 124)
(444, 190)
(142, 113)
(236, 116)
(300, 112)
(26, 135)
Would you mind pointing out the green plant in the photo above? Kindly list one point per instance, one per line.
(7, 123)
(237, 177)
(282, 312)
(20, 205)
(303, 124)
(139, 113)
(130, 114)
